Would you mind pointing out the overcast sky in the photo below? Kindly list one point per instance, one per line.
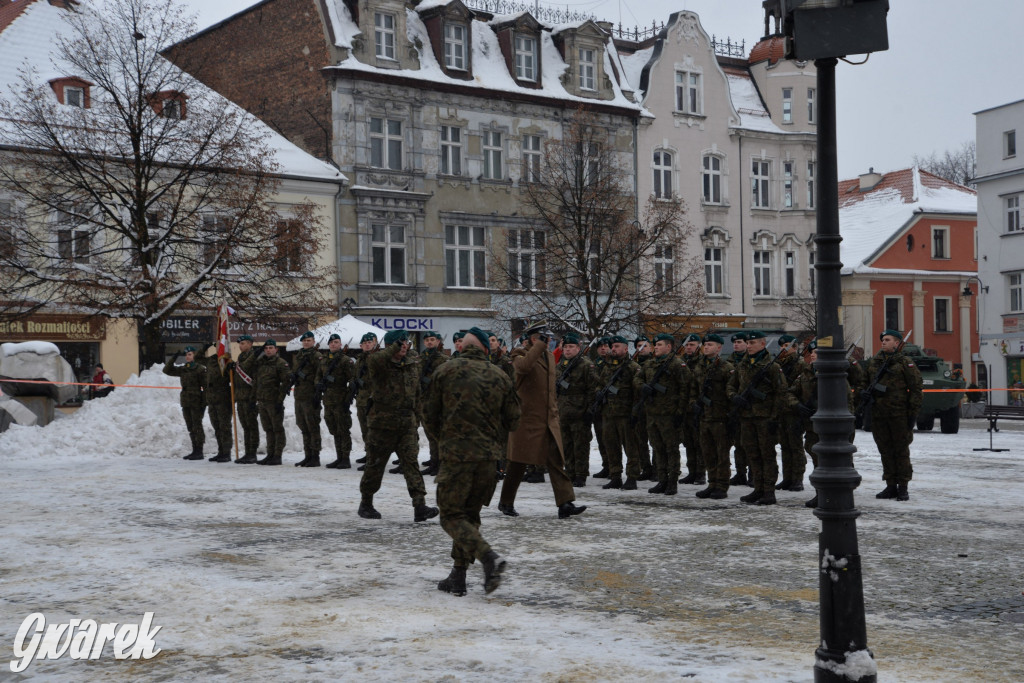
(946, 60)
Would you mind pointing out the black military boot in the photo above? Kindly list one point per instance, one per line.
(902, 493)
(602, 473)
(430, 471)
(767, 499)
(705, 493)
(264, 461)
(629, 484)
(397, 469)
(647, 474)
(423, 512)
(508, 510)
(739, 479)
(796, 486)
(536, 477)
(494, 566)
(615, 483)
(718, 494)
(247, 459)
(568, 509)
(783, 485)
(752, 497)
(366, 509)
(671, 488)
(813, 502)
(305, 458)
(887, 493)
(344, 463)
(361, 461)
(579, 482)
(658, 488)
(196, 454)
(333, 465)
(701, 480)
(689, 478)
(313, 461)
(455, 583)
(221, 457)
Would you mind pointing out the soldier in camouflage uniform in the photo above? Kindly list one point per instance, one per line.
(648, 468)
(794, 461)
(471, 406)
(270, 386)
(430, 360)
(893, 412)
(336, 373)
(757, 390)
(218, 404)
(245, 400)
(193, 400)
(393, 379)
(616, 412)
(711, 408)
(690, 434)
(367, 345)
(576, 387)
(662, 387)
(603, 347)
(739, 353)
(304, 378)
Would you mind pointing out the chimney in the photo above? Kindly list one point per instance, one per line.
(869, 180)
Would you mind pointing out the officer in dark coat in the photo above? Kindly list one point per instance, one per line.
(218, 404)
(245, 400)
(193, 399)
(336, 372)
(711, 408)
(270, 386)
(576, 387)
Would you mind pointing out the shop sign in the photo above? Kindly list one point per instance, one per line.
(695, 323)
(409, 324)
(279, 329)
(54, 328)
(1012, 324)
(186, 328)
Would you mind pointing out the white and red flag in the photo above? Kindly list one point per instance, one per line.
(223, 338)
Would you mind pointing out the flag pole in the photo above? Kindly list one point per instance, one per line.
(234, 415)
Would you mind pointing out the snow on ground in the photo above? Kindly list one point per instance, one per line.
(268, 574)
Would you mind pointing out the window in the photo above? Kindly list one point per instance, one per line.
(526, 259)
(216, 228)
(492, 155)
(762, 273)
(384, 35)
(1016, 287)
(894, 313)
(388, 252)
(942, 307)
(588, 67)
(787, 184)
(1013, 213)
(465, 258)
(789, 259)
(74, 96)
(713, 270)
(1009, 144)
(760, 174)
(455, 46)
(812, 105)
(531, 158)
(712, 177)
(171, 108)
(588, 162)
(810, 184)
(74, 237)
(811, 273)
(940, 242)
(662, 174)
(451, 150)
(386, 143)
(787, 105)
(6, 227)
(688, 93)
(526, 58)
(664, 271)
(289, 246)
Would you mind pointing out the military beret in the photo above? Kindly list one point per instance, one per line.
(641, 338)
(483, 335)
(487, 332)
(458, 335)
(739, 336)
(536, 326)
(571, 338)
(522, 338)
(811, 346)
(691, 337)
(755, 334)
(333, 337)
(395, 336)
(270, 342)
(306, 335)
(501, 341)
(604, 341)
(428, 335)
(368, 337)
(786, 339)
(891, 333)
(665, 336)
(245, 337)
(190, 349)
(617, 339)
(712, 337)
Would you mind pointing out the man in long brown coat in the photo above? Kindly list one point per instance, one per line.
(538, 441)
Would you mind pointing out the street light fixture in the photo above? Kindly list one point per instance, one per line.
(824, 31)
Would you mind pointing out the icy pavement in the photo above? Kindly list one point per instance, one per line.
(267, 574)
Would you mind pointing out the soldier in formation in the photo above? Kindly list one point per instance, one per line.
(193, 399)
(218, 404)
(794, 461)
(270, 386)
(333, 388)
(711, 408)
(245, 400)
(603, 347)
(615, 402)
(663, 386)
(367, 345)
(430, 360)
(576, 387)
(304, 378)
(689, 434)
(739, 352)
(644, 354)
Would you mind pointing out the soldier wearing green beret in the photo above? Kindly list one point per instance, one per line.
(218, 403)
(245, 401)
(689, 433)
(304, 378)
(662, 386)
(430, 360)
(270, 386)
(336, 373)
(360, 394)
(576, 387)
(739, 353)
(711, 409)
(617, 375)
(603, 347)
(644, 353)
(794, 461)
(193, 399)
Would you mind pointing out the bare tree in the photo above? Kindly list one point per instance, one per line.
(152, 195)
(589, 262)
(802, 312)
(955, 165)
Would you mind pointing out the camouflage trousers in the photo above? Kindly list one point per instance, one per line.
(338, 417)
(576, 436)
(307, 418)
(194, 425)
(463, 488)
(362, 411)
(893, 440)
(794, 462)
(220, 417)
(643, 442)
(619, 435)
(664, 436)
(690, 437)
(435, 451)
(272, 419)
(248, 417)
(380, 444)
(739, 452)
(759, 439)
(715, 442)
(601, 447)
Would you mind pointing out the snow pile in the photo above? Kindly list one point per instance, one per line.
(36, 347)
(36, 361)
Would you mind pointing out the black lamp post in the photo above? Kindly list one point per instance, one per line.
(823, 31)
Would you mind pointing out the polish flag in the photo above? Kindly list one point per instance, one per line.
(223, 339)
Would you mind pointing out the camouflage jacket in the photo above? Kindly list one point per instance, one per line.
(670, 394)
(577, 390)
(902, 382)
(305, 373)
(430, 360)
(218, 386)
(620, 399)
(270, 383)
(791, 366)
(394, 389)
(804, 391)
(193, 382)
(359, 379)
(336, 371)
(247, 364)
(772, 385)
(711, 389)
(693, 360)
(504, 361)
(471, 407)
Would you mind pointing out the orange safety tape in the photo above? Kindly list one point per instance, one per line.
(84, 384)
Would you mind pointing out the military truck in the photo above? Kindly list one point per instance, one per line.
(945, 406)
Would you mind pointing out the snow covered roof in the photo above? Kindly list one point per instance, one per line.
(749, 105)
(869, 220)
(633, 67)
(28, 41)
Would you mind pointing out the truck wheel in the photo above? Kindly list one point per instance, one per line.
(949, 421)
(925, 424)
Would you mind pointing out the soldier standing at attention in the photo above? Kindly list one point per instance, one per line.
(245, 400)
(430, 360)
(662, 385)
(603, 347)
(757, 390)
(305, 376)
(895, 390)
(394, 382)
(457, 343)
(538, 440)
(739, 353)
(617, 377)
(794, 461)
(690, 434)
(471, 407)
(270, 386)
(336, 372)
(218, 404)
(648, 469)
(367, 345)
(193, 401)
(576, 387)
(712, 406)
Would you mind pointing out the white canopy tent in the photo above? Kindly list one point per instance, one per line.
(350, 329)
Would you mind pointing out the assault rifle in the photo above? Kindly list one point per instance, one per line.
(648, 389)
(562, 384)
(703, 402)
(610, 388)
(742, 399)
(298, 375)
(321, 386)
(867, 396)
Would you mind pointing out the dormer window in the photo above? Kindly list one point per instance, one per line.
(526, 58)
(384, 35)
(71, 91)
(168, 104)
(74, 96)
(588, 67)
(455, 46)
